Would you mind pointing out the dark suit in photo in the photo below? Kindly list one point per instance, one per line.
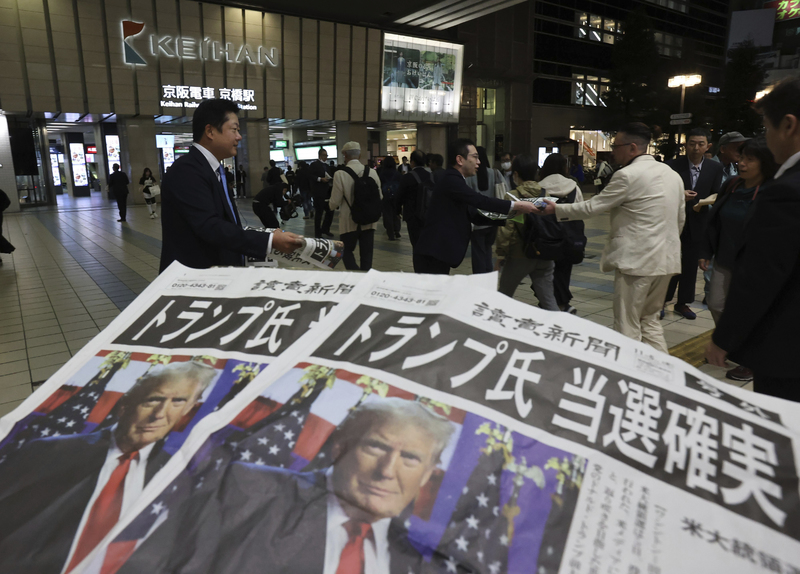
(321, 193)
(200, 226)
(406, 201)
(262, 519)
(762, 310)
(118, 185)
(708, 183)
(447, 230)
(44, 490)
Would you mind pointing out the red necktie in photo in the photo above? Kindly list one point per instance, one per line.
(105, 510)
(352, 558)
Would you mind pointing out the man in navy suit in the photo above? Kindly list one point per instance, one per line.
(453, 208)
(759, 323)
(54, 491)
(200, 224)
(701, 178)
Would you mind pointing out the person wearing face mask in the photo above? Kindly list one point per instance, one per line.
(505, 168)
(726, 227)
(511, 259)
(453, 207)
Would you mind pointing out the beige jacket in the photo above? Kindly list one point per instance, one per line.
(646, 203)
(343, 187)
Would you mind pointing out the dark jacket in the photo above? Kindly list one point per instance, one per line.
(44, 490)
(198, 228)
(762, 310)
(274, 175)
(318, 169)
(262, 519)
(406, 198)
(708, 183)
(710, 243)
(447, 230)
(118, 183)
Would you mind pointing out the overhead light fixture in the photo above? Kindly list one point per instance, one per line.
(685, 81)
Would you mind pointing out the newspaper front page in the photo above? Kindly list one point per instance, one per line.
(423, 427)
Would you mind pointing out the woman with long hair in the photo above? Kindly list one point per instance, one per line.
(146, 183)
(483, 236)
(555, 181)
(725, 230)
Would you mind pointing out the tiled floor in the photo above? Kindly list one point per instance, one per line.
(76, 268)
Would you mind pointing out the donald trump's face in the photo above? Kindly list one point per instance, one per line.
(384, 470)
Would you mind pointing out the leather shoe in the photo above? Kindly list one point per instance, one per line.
(684, 311)
(327, 234)
(740, 373)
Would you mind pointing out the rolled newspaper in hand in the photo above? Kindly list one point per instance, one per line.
(538, 202)
(314, 253)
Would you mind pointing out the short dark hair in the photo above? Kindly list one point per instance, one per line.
(321, 151)
(459, 147)
(783, 100)
(272, 162)
(756, 148)
(506, 153)
(554, 163)
(211, 113)
(699, 133)
(637, 131)
(525, 166)
(436, 159)
(418, 158)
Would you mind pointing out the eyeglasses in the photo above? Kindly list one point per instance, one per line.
(621, 145)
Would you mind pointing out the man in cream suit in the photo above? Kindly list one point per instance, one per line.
(646, 201)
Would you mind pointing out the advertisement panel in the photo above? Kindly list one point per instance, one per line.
(421, 79)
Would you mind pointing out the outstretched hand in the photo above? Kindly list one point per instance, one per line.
(286, 241)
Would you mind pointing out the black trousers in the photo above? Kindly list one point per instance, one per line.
(122, 204)
(365, 239)
(430, 265)
(266, 214)
(391, 220)
(323, 216)
(785, 388)
(482, 241)
(561, 278)
(688, 277)
(414, 229)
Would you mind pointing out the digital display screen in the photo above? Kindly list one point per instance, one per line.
(76, 154)
(281, 144)
(276, 155)
(112, 149)
(169, 156)
(79, 175)
(55, 169)
(421, 79)
(165, 140)
(312, 152)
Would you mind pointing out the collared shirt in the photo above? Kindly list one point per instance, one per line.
(694, 171)
(376, 550)
(789, 163)
(132, 490)
(728, 171)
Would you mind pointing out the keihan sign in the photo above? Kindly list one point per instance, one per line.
(188, 48)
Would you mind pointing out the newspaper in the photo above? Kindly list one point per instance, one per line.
(182, 351)
(314, 254)
(425, 428)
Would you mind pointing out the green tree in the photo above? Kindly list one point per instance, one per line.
(634, 90)
(744, 76)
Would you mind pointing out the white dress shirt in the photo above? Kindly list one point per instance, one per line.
(376, 550)
(788, 164)
(132, 490)
(215, 163)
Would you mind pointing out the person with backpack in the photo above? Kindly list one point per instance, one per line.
(357, 192)
(390, 182)
(413, 195)
(512, 260)
(556, 183)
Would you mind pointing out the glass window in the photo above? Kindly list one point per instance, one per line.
(609, 26)
(667, 39)
(591, 78)
(594, 35)
(678, 40)
(608, 38)
(583, 19)
(659, 38)
(595, 21)
(620, 28)
(605, 80)
(676, 52)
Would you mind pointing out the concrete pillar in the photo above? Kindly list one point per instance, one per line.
(384, 143)
(432, 139)
(257, 144)
(137, 142)
(102, 164)
(352, 132)
(8, 180)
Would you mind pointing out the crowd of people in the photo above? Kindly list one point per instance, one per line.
(733, 215)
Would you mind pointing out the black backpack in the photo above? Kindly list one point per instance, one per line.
(424, 193)
(544, 237)
(366, 207)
